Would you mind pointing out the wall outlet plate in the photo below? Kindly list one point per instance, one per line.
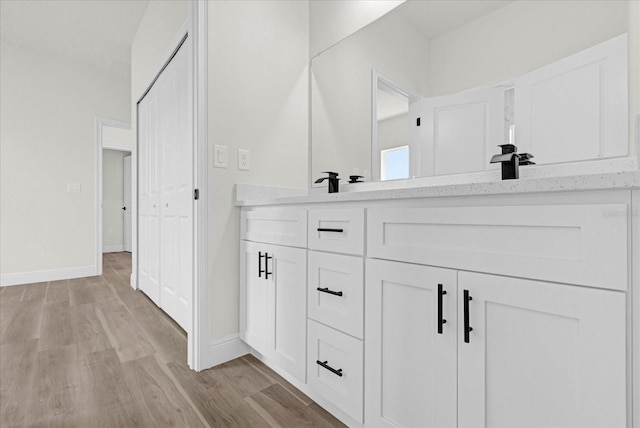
(244, 161)
(220, 156)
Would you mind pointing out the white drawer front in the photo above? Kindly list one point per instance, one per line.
(338, 231)
(580, 244)
(283, 226)
(339, 302)
(343, 354)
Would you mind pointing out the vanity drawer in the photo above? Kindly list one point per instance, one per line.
(578, 244)
(337, 230)
(336, 291)
(335, 368)
(281, 226)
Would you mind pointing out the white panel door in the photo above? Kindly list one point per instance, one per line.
(459, 132)
(254, 296)
(286, 275)
(127, 203)
(176, 209)
(148, 198)
(575, 108)
(540, 354)
(410, 366)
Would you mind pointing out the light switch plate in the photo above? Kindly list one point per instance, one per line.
(220, 156)
(73, 187)
(244, 161)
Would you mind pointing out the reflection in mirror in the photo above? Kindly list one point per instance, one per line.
(551, 77)
(391, 137)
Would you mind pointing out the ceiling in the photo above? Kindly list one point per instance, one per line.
(436, 17)
(96, 32)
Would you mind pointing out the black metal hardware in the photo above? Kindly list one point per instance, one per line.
(260, 271)
(196, 194)
(355, 179)
(266, 265)
(324, 229)
(326, 290)
(418, 122)
(334, 181)
(328, 367)
(441, 320)
(467, 329)
(124, 208)
(511, 161)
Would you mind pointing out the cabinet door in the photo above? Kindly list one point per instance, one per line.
(254, 297)
(410, 368)
(287, 280)
(540, 354)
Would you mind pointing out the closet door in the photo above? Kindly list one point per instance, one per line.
(148, 198)
(176, 178)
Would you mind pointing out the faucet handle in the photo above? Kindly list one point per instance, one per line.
(355, 179)
(525, 159)
(331, 174)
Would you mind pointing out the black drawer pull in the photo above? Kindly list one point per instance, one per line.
(260, 270)
(441, 320)
(324, 229)
(467, 329)
(326, 290)
(328, 367)
(266, 265)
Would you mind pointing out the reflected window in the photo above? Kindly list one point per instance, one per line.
(394, 163)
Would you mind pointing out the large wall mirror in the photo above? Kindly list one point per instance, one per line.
(432, 87)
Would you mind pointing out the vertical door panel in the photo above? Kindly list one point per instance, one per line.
(127, 203)
(148, 206)
(288, 309)
(254, 298)
(410, 369)
(540, 354)
(177, 187)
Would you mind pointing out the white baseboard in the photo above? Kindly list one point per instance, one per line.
(224, 350)
(46, 275)
(113, 248)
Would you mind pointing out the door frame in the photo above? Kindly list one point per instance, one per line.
(100, 146)
(195, 27)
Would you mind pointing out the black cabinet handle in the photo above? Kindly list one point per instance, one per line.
(260, 270)
(441, 320)
(326, 290)
(266, 265)
(324, 229)
(467, 329)
(328, 367)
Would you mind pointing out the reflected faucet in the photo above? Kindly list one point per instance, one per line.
(511, 161)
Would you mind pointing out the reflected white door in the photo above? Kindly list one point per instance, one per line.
(127, 203)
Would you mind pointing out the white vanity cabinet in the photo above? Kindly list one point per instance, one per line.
(410, 345)
(540, 354)
(536, 353)
(273, 290)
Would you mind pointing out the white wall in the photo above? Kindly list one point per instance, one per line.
(519, 37)
(331, 21)
(341, 84)
(113, 200)
(258, 100)
(393, 132)
(48, 139)
(117, 138)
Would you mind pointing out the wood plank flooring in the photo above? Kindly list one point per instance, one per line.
(92, 352)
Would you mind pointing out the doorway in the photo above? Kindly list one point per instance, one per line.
(116, 201)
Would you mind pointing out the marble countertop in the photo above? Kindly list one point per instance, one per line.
(484, 183)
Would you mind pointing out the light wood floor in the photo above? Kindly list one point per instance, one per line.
(92, 352)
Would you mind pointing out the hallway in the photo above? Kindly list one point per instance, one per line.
(93, 352)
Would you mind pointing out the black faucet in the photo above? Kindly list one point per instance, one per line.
(333, 181)
(511, 161)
